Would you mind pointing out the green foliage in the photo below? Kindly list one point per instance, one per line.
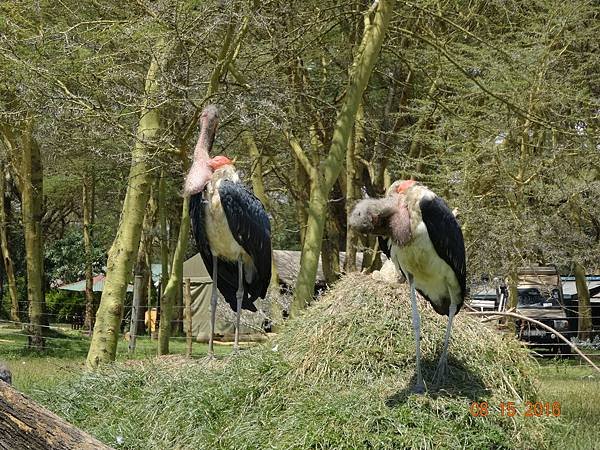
(345, 384)
(62, 306)
(21, 295)
(65, 258)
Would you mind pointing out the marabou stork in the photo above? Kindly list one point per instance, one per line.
(426, 245)
(230, 226)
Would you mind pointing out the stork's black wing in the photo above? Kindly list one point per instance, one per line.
(227, 272)
(384, 246)
(249, 225)
(446, 236)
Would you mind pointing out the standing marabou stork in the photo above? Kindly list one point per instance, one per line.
(230, 226)
(426, 246)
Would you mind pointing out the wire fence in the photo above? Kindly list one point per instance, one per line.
(60, 337)
(61, 341)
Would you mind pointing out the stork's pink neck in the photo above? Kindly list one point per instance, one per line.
(400, 224)
(200, 172)
(203, 146)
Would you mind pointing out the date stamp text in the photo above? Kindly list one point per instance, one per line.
(511, 409)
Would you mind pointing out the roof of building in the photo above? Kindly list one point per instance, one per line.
(287, 263)
(79, 286)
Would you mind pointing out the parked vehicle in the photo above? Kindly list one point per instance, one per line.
(541, 298)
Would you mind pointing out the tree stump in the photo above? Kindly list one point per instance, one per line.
(26, 425)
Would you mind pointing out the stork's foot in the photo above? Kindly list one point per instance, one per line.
(441, 372)
(419, 388)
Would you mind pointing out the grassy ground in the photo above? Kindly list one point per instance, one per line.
(577, 388)
(65, 355)
(338, 378)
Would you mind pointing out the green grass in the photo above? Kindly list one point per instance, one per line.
(337, 377)
(64, 357)
(577, 388)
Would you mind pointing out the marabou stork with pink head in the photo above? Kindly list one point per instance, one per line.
(230, 226)
(427, 246)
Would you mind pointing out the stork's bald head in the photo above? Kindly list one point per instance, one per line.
(219, 161)
(401, 186)
(210, 113)
(370, 216)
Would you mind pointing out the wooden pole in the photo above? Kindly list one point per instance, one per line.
(25, 424)
(187, 298)
(138, 286)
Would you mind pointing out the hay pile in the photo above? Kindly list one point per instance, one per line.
(338, 377)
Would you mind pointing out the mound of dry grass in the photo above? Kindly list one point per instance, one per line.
(362, 331)
(338, 376)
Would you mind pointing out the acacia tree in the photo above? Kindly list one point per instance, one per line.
(88, 198)
(125, 246)
(24, 151)
(234, 34)
(323, 177)
(6, 250)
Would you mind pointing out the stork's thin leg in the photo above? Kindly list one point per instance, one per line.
(213, 308)
(239, 296)
(442, 368)
(419, 387)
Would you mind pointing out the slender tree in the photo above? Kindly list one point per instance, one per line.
(6, 251)
(323, 177)
(584, 325)
(125, 246)
(88, 221)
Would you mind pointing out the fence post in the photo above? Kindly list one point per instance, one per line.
(138, 285)
(187, 299)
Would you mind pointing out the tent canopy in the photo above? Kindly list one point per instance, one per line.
(201, 287)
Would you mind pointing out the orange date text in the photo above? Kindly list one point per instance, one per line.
(511, 409)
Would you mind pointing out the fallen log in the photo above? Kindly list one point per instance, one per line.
(26, 425)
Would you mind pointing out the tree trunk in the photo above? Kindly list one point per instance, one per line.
(31, 202)
(138, 291)
(309, 258)
(187, 300)
(25, 424)
(6, 257)
(164, 236)
(302, 181)
(584, 327)
(513, 296)
(330, 253)
(125, 246)
(88, 220)
(354, 150)
(143, 266)
(380, 152)
(323, 181)
(173, 289)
